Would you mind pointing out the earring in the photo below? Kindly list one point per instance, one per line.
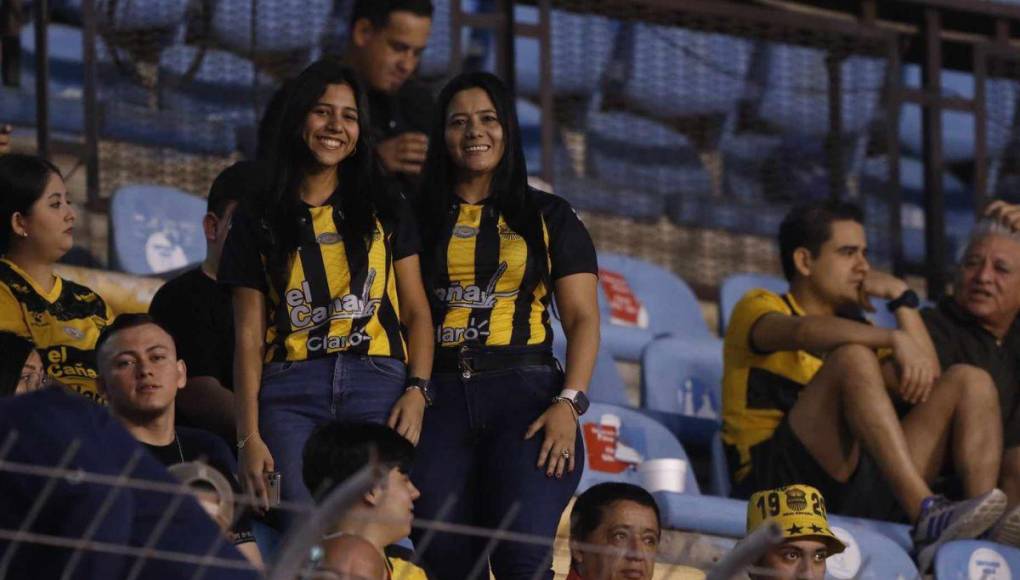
(24, 234)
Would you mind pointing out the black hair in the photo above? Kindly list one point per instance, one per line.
(279, 208)
(809, 226)
(23, 179)
(336, 451)
(15, 351)
(510, 197)
(378, 11)
(591, 506)
(269, 124)
(126, 321)
(234, 184)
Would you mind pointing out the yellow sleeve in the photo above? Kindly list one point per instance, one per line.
(755, 304)
(12, 318)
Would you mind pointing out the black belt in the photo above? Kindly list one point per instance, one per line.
(451, 360)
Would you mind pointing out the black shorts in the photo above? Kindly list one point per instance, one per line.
(783, 460)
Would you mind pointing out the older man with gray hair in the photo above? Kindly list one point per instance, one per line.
(978, 325)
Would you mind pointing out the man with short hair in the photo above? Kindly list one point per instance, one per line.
(615, 530)
(335, 452)
(140, 374)
(387, 39)
(199, 314)
(978, 325)
(799, 511)
(814, 394)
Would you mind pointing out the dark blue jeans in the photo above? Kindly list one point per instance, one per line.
(297, 397)
(473, 448)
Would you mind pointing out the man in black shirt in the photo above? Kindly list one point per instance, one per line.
(198, 313)
(140, 374)
(978, 325)
(387, 40)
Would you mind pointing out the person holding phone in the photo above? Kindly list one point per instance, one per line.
(331, 317)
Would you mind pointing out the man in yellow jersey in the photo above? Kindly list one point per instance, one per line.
(337, 451)
(807, 540)
(814, 394)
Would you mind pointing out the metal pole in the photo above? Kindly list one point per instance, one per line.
(545, 92)
(91, 106)
(981, 129)
(834, 140)
(892, 140)
(42, 78)
(934, 197)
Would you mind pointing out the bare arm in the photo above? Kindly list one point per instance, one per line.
(775, 332)
(415, 314)
(577, 302)
(249, 333)
(208, 403)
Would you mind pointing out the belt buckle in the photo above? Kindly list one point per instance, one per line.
(464, 363)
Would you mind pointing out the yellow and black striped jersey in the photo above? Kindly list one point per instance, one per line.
(63, 324)
(336, 299)
(489, 284)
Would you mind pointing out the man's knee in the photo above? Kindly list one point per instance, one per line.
(854, 362)
(973, 382)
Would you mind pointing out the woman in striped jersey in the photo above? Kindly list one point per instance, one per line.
(61, 318)
(325, 277)
(502, 433)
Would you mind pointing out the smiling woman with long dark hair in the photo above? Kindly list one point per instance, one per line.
(326, 279)
(503, 429)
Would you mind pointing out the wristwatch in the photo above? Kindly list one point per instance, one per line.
(577, 399)
(423, 385)
(908, 298)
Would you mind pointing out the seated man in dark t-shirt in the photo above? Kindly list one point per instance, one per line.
(198, 313)
(387, 40)
(140, 374)
(978, 325)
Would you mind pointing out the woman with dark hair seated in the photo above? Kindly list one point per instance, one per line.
(502, 431)
(61, 318)
(21, 368)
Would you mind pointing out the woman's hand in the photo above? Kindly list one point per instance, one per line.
(560, 424)
(253, 461)
(407, 413)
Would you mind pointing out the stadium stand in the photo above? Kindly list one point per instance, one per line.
(156, 229)
(976, 559)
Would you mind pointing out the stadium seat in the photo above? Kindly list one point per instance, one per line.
(735, 286)
(977, 559)
(590, 194)
(280, 26)
(580, 47)
(876, 550)
(677, 72)
(155, 229)
(617, 440)
(435, 61)
(641, 302)
(682, 376)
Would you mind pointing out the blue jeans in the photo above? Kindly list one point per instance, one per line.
(297, 397)
(473, 448)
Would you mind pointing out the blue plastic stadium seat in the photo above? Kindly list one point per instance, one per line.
(958, 127)
(796, 99)
(280, 26)
(878, 550)
(678, 72)
(155, 229)
(623, 439)
(977, 559)
(735, 286)
(628, 150)
(580, 49)
(436, 59)
(683, 376)
(670, 306)
(222, 87)
(591, 194)
(139, 15)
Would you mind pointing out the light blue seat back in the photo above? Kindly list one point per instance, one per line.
(637, 432)
(580, 47)
(967, 559)
(137, 15)
(671, 307)
(678, 72)
(435, 61)
(683, 376)
(279, 25)
(796, 92)
(155, 229)
(734, 287)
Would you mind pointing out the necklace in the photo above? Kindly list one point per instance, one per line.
(180, 450)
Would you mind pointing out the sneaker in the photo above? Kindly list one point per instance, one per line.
(1007, 529)
(942, 521)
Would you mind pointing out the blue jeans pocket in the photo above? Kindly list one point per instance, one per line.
(387, 366)
(275, 369)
